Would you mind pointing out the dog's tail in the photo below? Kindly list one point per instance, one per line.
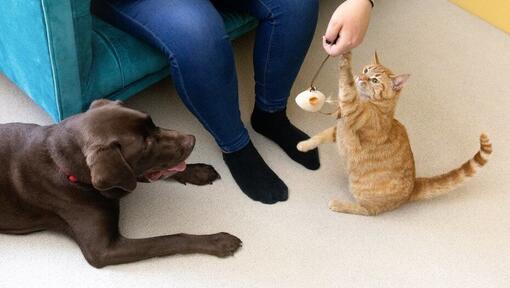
(427, 188)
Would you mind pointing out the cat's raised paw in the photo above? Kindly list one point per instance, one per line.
(345, 58)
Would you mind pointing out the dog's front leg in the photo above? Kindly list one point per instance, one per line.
(123, 250)
(96, 232)
(196, 174)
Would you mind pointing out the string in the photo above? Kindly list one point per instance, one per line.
(312, 87)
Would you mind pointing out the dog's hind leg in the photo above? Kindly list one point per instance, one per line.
(96, 232)
(26, 223)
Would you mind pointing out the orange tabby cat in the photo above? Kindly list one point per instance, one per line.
(379, 158)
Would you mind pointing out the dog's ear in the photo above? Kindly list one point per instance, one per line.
(109, 169)
(102, 102)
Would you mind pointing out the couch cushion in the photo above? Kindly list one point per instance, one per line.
(120, 59)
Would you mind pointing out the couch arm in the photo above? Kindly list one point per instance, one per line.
(45, 49)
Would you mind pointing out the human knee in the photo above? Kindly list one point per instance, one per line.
(300, 10)
(196, 35)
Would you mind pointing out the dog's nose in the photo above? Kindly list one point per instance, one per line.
(189, 141)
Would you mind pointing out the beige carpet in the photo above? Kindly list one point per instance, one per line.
(460, 70)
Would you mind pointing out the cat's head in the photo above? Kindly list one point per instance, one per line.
(377, 83)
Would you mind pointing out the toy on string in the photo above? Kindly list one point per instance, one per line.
(313, 100)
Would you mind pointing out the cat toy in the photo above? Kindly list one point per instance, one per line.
(312, 99)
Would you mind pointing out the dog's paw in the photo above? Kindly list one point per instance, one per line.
(224, 244)
(197, 174)
(304, 146)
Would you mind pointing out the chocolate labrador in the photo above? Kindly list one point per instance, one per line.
(69, 177)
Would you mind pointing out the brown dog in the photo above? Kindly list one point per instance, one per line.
(69, 177)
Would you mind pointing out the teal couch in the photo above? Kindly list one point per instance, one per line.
(64, 58)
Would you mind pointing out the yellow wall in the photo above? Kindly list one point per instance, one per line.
(496, 12)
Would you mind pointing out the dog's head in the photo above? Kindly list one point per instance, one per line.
(124, 145)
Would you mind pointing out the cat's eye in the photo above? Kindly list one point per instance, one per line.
(365, 71)
(374, 80)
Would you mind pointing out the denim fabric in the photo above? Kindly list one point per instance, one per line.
(283, 37)
(64, 58)
(192, 35)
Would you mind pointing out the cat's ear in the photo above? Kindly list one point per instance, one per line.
(376, 59)
(399, 81)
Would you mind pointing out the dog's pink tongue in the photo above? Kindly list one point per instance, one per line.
(178, 168)
(153, 176)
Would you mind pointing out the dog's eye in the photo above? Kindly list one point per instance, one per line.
(148, 142)
(374, 80)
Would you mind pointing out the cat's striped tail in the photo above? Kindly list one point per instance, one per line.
(427, 188)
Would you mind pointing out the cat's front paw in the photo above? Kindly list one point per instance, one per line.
(304, 146)
(347, 56)
(345, 59)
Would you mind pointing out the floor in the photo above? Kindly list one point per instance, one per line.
(459, 88)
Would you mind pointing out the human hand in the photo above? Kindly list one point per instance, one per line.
(347, 27)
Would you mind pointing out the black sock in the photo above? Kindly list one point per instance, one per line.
(254, 177)
(277, 127)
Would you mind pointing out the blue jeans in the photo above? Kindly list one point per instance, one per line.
(192, 35)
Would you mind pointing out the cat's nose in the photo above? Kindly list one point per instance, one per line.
(363, 77)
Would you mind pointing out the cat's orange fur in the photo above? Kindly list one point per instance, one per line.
(379, 158)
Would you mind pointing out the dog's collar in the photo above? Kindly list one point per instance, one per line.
(70, 177)
(73, 179)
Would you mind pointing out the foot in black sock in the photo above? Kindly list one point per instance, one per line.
(277, 127)
(254, 177)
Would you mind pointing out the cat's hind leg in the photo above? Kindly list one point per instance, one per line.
(350, 208)
(326, 136)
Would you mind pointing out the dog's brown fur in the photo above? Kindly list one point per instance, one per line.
(379, 158)
(69, 177)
